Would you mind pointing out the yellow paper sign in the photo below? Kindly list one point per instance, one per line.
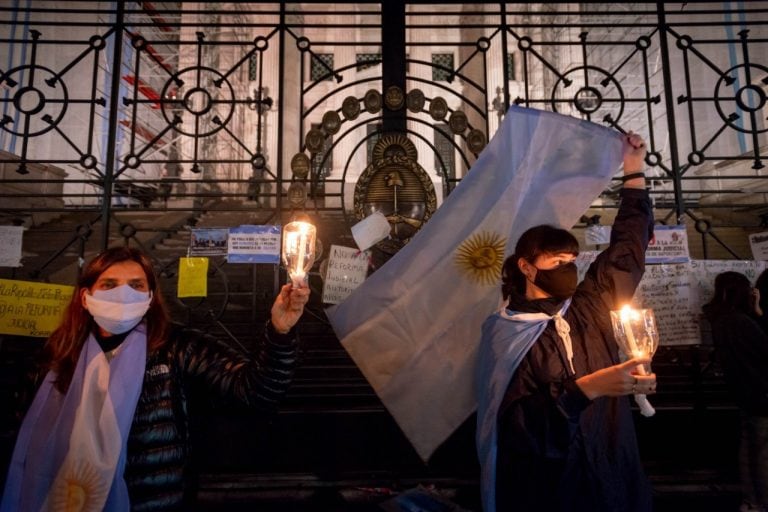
(193, 277)
(32, 309)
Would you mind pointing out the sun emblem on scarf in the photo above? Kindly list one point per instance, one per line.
(480, 257)
(78, 488)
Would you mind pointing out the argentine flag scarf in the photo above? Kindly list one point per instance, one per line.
(507, 338)
(71, 450)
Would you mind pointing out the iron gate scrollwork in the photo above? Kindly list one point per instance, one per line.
(136, 122)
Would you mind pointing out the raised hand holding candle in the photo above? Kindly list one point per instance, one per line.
(298, 250)
(637, 336)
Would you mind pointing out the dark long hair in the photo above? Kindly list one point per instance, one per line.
(62, 348)
(733, 292)
(543, 239)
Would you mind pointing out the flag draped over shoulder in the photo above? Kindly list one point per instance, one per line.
(413, 327)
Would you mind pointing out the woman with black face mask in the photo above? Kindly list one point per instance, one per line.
(561, 434)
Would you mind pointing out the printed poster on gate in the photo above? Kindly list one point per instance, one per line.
(759, 245)
(668, 245)
(208, 242)
(254, 244)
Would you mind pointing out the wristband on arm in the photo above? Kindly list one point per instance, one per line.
(632, 176)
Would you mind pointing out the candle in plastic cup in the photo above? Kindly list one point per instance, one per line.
(636, 333)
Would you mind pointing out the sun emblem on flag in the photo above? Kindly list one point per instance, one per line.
(79, 487)
(480, 257)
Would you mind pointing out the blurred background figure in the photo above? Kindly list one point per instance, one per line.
(741, 345)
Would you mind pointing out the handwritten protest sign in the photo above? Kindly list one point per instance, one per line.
(32, 309)
(347, 269)
(10, 245)
(193, 277)
(759, 244)
(677, 291)
(669, 290)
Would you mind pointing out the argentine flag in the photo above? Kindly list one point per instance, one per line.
(413, 327)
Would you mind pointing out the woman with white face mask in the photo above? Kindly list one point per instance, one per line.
(108, 427)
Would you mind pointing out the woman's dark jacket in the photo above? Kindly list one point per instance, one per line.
(741, 345)
(158, 460)
(557, 449)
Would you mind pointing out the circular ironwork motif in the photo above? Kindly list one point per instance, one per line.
(331, 122)
(438, 108)
(350, 108)
(372, 101)
(587, 100)
(258, 161)
(208, 97)
(590, 100)
(297, 194)
(394, 97)
(41, 101)
(300, 165)
(315, 140)
(749, 98)
(458, 122)
(415, 100)
(476, 141)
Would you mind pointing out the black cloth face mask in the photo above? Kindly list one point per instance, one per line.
(559, 282)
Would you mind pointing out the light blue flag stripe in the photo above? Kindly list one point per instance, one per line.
(414, 325)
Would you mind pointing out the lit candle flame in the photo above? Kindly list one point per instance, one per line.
(627, 314)
(299, 242)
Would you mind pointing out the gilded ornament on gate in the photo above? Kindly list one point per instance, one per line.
(395, 185)
(331, 122)
(476, 141)
(394, 97)
(415, 100)
(350, 107)
(372, 101)
(438, 108)
(297, 194)
(458, 122)
(315, 140)
(300, 164)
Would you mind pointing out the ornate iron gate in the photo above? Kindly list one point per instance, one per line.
(184, 107)
(133, 122)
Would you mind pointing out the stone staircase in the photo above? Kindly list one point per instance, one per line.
(51, 251)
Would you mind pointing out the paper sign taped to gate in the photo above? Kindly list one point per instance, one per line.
(32, 309)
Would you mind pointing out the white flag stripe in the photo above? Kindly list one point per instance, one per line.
(414, 325)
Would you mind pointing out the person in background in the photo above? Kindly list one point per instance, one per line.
(108, 427)
(761, 296)
(741, 346)
(555, 428)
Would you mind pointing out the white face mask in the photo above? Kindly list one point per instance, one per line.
(119, 309)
